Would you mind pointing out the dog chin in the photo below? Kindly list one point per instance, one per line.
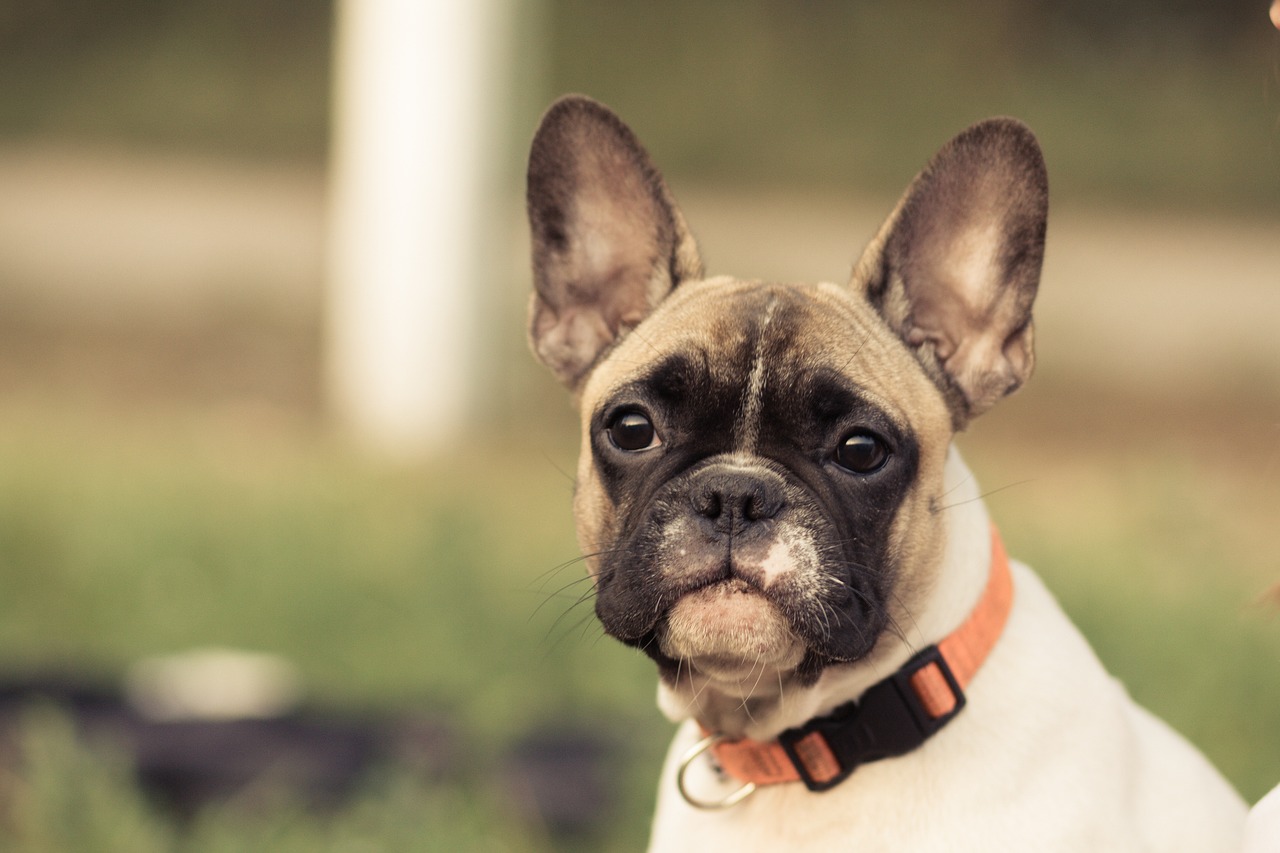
(729, 630)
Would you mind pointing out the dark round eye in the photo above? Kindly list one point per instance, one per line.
(862, 452)
(632, 431)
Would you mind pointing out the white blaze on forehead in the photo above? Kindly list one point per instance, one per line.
(754, 398)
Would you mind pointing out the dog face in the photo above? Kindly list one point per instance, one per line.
(761, 477)
(752, 489)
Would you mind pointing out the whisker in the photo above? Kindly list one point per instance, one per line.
(967, 478)
(697, 693)
(598, 629)
(582, 599)
(856, 352)
(745, 699)
(914, 625)
(565, 633)
(559, 595)
(573, 481)
(985, 495)
(604, 552)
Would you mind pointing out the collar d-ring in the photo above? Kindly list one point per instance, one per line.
(709, 805)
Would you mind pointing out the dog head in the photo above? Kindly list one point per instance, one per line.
(762, 463)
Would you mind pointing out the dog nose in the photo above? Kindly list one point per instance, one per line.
(734, 500)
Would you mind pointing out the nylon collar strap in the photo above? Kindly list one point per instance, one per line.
(894, 716)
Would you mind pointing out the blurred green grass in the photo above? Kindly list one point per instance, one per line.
(77, 798)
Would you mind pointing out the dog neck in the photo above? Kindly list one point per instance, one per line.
(770, 702)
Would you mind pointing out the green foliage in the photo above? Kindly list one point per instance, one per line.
(68, 800)
(72, 797)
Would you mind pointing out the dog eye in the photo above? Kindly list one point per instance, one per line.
(861, 452)
(632, 431)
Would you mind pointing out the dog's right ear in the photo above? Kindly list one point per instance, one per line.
(609, 242)
(955, 269)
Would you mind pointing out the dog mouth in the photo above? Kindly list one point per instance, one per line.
(773, 595)
(729, 629)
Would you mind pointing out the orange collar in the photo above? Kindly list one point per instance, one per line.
(891, 718)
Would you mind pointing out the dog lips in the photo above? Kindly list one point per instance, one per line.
(729, 626)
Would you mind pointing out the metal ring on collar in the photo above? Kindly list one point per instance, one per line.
(697, 749)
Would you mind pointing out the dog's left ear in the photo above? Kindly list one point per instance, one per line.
(954, 270)
(609, 242)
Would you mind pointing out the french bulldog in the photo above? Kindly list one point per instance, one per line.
(771, 508)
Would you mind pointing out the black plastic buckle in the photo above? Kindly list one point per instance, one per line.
(926, 656)
(889, 720)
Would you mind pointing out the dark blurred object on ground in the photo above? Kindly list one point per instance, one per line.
(558, 778)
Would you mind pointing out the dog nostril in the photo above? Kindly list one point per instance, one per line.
(748, 506)
(757, 507)
(708, 504)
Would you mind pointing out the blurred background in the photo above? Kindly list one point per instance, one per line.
(187, 461)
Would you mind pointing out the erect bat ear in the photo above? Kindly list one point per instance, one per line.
(609, 242)
(954, 270)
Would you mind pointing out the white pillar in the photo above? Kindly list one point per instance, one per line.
(413, 82)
